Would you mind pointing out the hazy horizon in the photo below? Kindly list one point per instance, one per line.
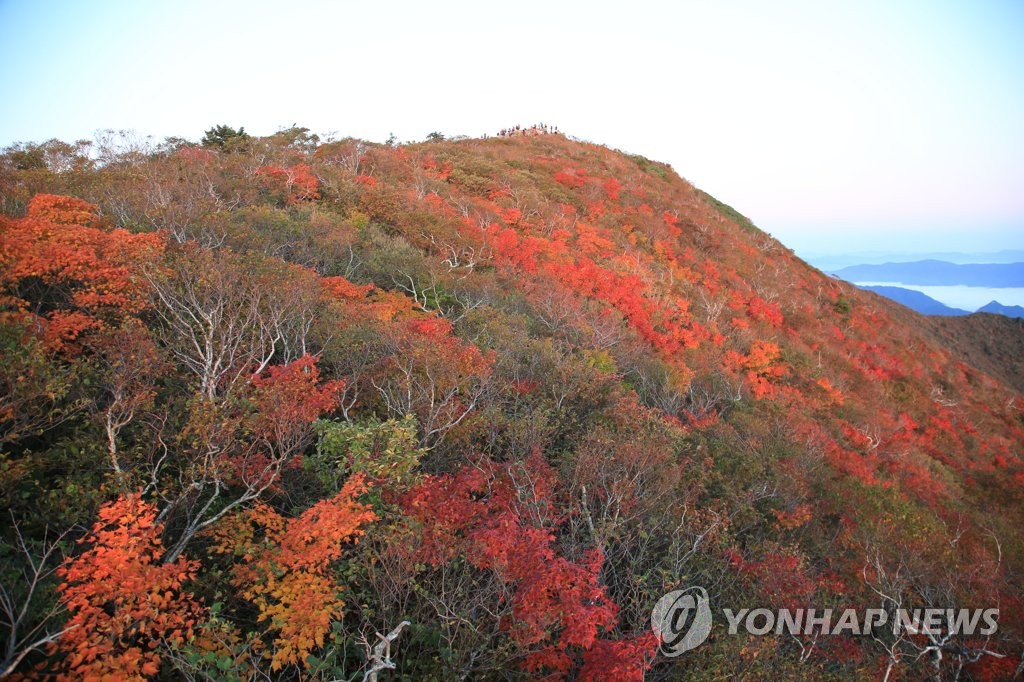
(960, 297)
(833, 127)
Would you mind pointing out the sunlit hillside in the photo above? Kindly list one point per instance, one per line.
(264, 400)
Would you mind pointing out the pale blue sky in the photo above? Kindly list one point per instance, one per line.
(835, 126)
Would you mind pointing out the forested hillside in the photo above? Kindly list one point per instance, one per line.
(281, 408)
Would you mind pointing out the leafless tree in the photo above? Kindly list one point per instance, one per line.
(224, 322)
(27, 632)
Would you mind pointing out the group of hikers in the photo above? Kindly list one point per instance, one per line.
(538, 129)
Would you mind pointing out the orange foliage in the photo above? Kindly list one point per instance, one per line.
(66, 274)
(62, 210)
(342, 288)
(761, 364)
(833, 393)
(123, 602)
(284, 566)
(791, 520)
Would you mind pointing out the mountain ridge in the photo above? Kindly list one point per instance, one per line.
(999, 309)
(915, 300)
(571, 379)
(938, 273)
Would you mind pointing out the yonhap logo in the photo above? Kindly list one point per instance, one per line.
(682, 620)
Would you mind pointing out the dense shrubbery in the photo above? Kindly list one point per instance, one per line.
(508, 392)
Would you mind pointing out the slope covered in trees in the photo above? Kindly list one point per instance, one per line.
(277, 407)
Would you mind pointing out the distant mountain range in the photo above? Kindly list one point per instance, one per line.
(915, 300)
(943, 288)
(1000, 309)
(938, 273)
(833, 262)
(926, 305)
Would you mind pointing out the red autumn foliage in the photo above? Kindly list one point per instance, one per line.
(912, 461)
(612, 188)
(624, 659)
(784, 579)
(291, 396)
(763, 311)
(571, 177)
(297, 183)
(486, 514)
